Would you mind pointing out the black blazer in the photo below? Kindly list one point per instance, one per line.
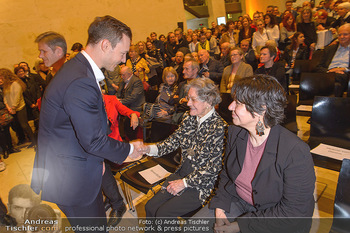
(134, 94)
(277, 70)
(284, 182)
(216, 69)
(73, 140)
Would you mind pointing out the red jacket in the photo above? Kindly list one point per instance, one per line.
(113, 108)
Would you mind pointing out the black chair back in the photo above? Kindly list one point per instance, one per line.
(290, 121)
(300, 66)
(341, 220)
(315, 84)
(330, 125)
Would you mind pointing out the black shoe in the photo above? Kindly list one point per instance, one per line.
(116, 216)
(14, 150)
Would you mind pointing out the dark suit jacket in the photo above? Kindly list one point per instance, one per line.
(134, 95)
(216, 69)
(284, 182)
(72, 140)
(327, 58)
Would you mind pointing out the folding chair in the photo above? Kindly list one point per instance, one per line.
(132, 177)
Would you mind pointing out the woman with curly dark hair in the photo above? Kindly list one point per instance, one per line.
(268, 176)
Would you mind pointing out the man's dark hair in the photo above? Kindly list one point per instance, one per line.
(107, 27)
(23, 191)
(52, 39)
(261, 93)
(77, 47)
(272, 50)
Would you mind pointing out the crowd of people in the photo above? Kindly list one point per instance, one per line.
(253, 59)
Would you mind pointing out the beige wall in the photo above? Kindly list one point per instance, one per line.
(22, 20)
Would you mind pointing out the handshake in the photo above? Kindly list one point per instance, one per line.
(139, 150)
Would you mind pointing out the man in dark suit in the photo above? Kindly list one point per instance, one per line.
(336, 60)
(73, 132)
(214, 67)
(131, 94)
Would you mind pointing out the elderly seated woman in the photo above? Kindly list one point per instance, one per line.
(201, 139)
(268, 177)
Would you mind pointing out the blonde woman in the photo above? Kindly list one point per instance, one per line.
(137, 64)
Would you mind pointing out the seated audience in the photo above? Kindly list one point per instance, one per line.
(272, 29)
(323, 22)
(336, 60)
(271, 68)
(287, 31)
(141, 49)
(191, 69)
(230, 35)
(260, 36)
(137, 64)
(165, 105)
(343, 10)
(246, 32)
(211, 68)
(239, 69)
(201, 139)
(178, 65)
(249, 54)
(308, 28)
(203, 43)
(193, 44)
(296, 51)
(131, 94)
(268, 177)
(170, 48)
(225, 59)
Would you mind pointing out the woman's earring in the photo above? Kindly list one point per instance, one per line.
(260, 128)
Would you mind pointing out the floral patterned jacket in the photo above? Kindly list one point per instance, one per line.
(207, 143)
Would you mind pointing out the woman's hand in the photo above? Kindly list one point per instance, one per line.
(175, 187)
(134, 121)
(162, 113)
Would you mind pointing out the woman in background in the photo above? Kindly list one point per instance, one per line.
(239, 69)
(13, 88)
